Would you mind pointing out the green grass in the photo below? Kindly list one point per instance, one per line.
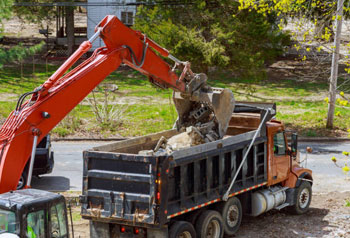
(299, 104)
(75, 216)
(267, 88)
(12, 81)
(145, 119)
(137, 120)
(6, 108)
(310, 118)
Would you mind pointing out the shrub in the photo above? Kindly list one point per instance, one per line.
(214, 36)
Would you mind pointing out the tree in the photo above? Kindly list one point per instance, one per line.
(335, 65)
(5, 12)
(18, 52)
(211, 34)
(316, 17)
(45, 14)
(36, 14)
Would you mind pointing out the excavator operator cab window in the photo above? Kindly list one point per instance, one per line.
(8, 222)
(58, 216)
(36, 224)
(279, 144)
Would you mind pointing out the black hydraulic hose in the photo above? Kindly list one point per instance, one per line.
(21, 99)
(2, 149)
(23, 96)
(133, 56)
(71, 218)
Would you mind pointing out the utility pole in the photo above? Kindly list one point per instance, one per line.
(334, 69)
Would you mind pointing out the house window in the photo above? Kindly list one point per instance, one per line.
(127, 18)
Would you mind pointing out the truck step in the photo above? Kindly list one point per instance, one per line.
(282, 206)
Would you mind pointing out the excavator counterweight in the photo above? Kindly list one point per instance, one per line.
(197, 104)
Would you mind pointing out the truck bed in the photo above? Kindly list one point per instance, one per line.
(123, 187)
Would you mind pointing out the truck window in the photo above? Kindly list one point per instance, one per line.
(279, 144)
(58, 221)
(8, 222)
(36, 224)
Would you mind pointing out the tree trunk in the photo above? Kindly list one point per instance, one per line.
(33, 65)
(70, 29)
(334, 70)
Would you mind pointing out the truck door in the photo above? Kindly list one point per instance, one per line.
(280, 159)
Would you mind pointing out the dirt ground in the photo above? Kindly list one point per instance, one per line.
(328, 217)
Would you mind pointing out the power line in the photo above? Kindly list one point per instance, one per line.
(97, 4)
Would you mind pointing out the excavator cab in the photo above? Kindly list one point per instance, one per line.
(33, 213)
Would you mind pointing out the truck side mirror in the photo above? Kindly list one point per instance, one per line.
(294, 144)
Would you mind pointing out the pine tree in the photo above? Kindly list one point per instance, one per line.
(17, 53)
(211, 34)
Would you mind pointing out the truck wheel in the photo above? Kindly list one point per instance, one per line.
(182, 229)
(231, 212)
(22, 181)
(210, 225)
(303, 195)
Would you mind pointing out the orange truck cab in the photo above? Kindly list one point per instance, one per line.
(283, 162)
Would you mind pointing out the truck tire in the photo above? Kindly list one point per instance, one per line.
(210, 224)
(302, 198)
(22, 180)
(231, 212)
(182, 229)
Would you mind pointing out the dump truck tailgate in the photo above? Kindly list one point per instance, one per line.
(119, 187)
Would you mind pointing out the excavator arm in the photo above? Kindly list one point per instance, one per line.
(52, 101)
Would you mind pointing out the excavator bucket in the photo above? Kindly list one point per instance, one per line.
(209, 109)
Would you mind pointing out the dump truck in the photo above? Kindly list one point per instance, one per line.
(200, 191)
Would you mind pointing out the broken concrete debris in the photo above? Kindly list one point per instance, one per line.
(193, 135)
(203, 117)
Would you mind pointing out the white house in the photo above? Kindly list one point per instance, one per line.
(96, 13)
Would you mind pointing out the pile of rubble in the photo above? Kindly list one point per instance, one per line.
(191, 136)
(203, 117)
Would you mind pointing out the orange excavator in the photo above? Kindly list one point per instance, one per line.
(197, 103)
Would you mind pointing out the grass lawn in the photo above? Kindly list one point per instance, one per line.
(145, 109)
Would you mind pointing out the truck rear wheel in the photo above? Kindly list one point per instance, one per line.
(210, 225)
(22, 181)
(303, 195)
(182, 229)
(231, 212)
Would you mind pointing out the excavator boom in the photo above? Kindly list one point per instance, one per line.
(52, 101)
